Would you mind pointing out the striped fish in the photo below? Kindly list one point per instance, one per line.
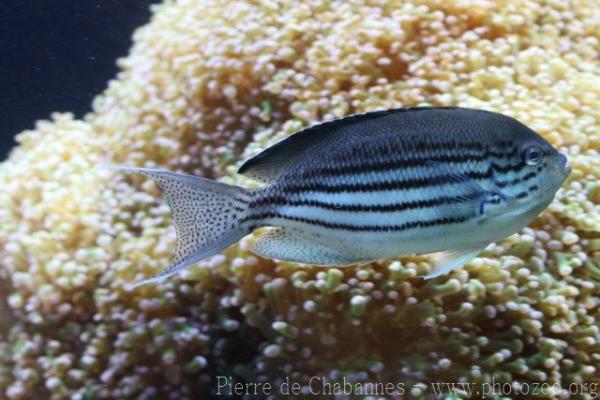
(372, 186)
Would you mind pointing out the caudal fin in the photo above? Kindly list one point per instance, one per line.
(206, 216)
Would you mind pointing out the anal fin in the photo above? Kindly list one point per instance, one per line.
(290, 245)
(446, 261)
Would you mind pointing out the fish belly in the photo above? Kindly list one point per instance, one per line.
(367, 246)
(370, 235)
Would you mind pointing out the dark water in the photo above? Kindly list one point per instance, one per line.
(57, 55)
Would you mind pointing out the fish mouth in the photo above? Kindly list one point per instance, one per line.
(566, 168)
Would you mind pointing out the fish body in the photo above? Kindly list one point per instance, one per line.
(372, 186)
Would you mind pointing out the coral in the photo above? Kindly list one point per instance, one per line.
(209, 83)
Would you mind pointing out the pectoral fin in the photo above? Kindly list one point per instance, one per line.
(291, 245)
(446, 261)
(474, 199)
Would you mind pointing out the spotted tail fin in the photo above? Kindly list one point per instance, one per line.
(206, 215)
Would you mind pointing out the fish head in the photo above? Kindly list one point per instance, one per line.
(546, 165)
(540, 169)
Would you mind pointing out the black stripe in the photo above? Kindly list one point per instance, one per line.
(386, 146)
(425, 151)
(332, 171)
(509, 167)
(388, 185)
(525, 178)
(362, 228)
(525, 193)
(393, 207)
(369, 186)
(243, 201)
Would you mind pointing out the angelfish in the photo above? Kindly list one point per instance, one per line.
(372, 186)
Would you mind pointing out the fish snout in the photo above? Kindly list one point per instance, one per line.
(564, 163)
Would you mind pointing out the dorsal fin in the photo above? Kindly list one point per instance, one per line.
(268, 165)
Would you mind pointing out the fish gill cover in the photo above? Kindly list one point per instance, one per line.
(210, 83)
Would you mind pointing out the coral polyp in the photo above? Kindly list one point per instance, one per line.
(208, 84)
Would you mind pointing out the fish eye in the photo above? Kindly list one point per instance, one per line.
(533, 155)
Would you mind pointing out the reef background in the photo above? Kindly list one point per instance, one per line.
(210, 83)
